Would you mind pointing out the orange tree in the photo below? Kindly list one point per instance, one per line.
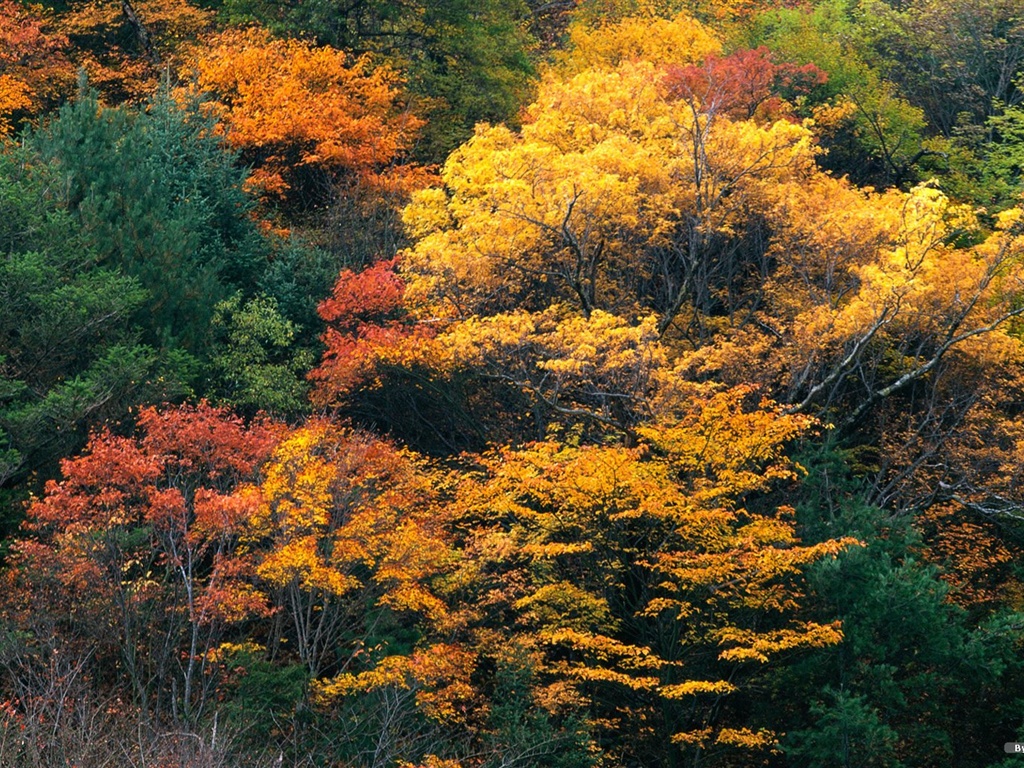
(304, 115)
(123, 47)
(34, 65)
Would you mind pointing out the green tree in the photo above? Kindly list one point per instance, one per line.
(870, 131)
(1005, 154)
(70, 354)
(254, 364)
(915, 681)
(948, 57)
(155, 194)
(849, 732)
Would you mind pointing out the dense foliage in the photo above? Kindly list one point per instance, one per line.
(585, 384)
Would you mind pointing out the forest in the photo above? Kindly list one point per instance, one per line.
(511, 383)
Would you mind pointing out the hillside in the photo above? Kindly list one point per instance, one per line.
(508, 383)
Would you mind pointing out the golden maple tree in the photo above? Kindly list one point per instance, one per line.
(344, 530)
(620, 193)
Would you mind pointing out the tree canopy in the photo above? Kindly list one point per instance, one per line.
(595, 384)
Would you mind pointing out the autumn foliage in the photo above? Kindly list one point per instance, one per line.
(124, 47)
(368, 328)
(292, 107)
(744, 84)
(144, 530)
(675, 420)
(34, 64)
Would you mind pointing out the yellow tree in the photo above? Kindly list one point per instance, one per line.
(677, 39)
(555, 258)
(644, 586)
(637, 189)
(343, 540)
(353, 551)
(621, 193)
(878, 299)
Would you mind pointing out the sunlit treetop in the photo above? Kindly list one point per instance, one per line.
(611, 176)
(680, 39)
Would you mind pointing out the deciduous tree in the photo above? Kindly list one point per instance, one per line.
(465, 61)
(124, 46)
(639, 577)
(295, 109)
(344, 539)
(139, 534)
(34, 66)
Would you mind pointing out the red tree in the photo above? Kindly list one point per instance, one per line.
(743, 85)
(137, 540)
